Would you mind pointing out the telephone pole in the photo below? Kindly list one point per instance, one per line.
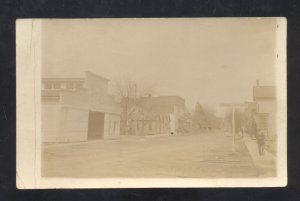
(233, 106)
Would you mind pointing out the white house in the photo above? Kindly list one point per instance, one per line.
(78, 109)
(265, 99)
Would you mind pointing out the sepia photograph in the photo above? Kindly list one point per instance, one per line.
(172, 102)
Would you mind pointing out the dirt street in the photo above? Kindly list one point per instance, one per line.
(191, 156)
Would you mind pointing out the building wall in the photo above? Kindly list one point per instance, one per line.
(50, 115)
(77, 99)
(251, 107)
(151, 127)
(66, 119)
(165, 126)
(172, 123)
(135, 127)
(269, 107)
(73, 125)
(177, 113)
(96, 84)
(163, 112)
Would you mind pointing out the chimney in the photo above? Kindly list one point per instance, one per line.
(257, 83)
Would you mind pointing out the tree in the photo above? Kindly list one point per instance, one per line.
(204, 118)
(128, 92)
(198, 117)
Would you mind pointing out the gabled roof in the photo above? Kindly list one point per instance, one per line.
(96, 75)
(264, 92)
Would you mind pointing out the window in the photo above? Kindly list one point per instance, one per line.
(70, 85)
(115, 126)
(56, 85)
(150, 126)
(47, 85)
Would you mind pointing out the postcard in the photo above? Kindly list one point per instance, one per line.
(151, 102)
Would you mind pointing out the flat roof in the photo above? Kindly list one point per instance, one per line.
(62, 79)
(59, 78)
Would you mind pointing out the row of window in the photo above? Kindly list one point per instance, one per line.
(62, 85)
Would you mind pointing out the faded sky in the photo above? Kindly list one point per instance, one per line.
(206, 60)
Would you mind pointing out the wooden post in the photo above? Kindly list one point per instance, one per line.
(233, 106)
(233, 130)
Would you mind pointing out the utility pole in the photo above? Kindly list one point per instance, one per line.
(126, 116)
(135, 104)
(233, 130)
(233, 107)
(135, 88)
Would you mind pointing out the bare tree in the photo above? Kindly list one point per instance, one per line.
(129, 91)
(204, 117)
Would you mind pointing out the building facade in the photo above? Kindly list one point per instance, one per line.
(261, 112)
(156, 115)
(265, 99)
(78, 109)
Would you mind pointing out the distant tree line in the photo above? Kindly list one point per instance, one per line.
(204, 118)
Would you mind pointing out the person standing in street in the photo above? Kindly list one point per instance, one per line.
(260, 137)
